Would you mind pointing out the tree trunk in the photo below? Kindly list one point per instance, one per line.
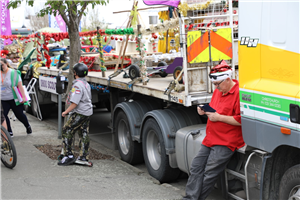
(74, 53)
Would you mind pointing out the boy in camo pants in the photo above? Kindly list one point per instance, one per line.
(80, 102)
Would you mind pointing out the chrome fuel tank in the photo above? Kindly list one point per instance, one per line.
(187, 143)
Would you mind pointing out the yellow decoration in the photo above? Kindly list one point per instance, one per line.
(37, 65)
(184, 7)
(134, 14)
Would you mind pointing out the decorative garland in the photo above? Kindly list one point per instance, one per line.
(210, 24)
(102, 67)
(184, 7)
(125, 31)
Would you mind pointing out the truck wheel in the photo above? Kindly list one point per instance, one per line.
(134, 71)
(130, 151)
(156, 159)
(176, 73)
(290, 184)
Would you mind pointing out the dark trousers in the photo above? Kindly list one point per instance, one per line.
(205, 170)
(74, 123)
(18, 111)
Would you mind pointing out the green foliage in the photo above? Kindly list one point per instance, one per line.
(64, 6)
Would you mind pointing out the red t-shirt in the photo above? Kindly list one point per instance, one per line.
(220, 133)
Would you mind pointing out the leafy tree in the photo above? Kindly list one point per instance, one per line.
(71, 12)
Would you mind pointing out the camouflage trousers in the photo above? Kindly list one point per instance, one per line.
(74, 123)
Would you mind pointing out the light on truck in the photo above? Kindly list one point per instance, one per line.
(285, 131)
(180, 101)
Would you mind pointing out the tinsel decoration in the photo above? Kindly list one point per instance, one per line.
(20, 52)
(134, 14)
(102, 66)
(38, 56)
(184, 7)
(125, 31)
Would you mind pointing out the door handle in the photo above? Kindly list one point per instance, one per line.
(295, 113)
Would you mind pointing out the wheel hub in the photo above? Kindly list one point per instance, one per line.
(123, 136)
(295, 193)
(153, 150)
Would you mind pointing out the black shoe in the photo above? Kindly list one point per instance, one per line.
(67, 160)
(28, 130)
(11, 134)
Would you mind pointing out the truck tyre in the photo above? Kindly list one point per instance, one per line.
(134, 71)
(156, 159)
(130, 151)
(290, 184)
(162, 73)
(176, 73)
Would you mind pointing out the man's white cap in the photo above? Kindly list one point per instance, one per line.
(220, 72)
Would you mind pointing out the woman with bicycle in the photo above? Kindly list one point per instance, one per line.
(7, 95)
(8, 150)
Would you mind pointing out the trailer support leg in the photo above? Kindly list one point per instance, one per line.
(114, 100)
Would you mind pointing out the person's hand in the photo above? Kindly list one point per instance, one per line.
(23, 100)
(64, 114)
(213, 116)
(200, 111)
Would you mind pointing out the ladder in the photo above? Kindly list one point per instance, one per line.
(31, 90)
(244, 177)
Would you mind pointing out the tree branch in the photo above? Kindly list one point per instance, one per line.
(82, 10)
(63, 14)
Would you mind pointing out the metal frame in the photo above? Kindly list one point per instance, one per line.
(183, 42)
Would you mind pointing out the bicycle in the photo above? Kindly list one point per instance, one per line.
(8, 150)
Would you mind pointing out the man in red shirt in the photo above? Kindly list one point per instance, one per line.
(223, 134)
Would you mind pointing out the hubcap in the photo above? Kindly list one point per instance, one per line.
(123, 136)
(132, 72)
(295, 193)
(153, 150)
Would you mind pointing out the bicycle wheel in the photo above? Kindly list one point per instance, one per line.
(8, 150)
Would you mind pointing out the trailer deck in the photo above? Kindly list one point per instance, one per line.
(155, 87)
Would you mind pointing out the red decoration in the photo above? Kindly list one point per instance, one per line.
(234, 12)
(225, 10)
(112, 37)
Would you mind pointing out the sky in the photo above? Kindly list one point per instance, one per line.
(105, 12)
